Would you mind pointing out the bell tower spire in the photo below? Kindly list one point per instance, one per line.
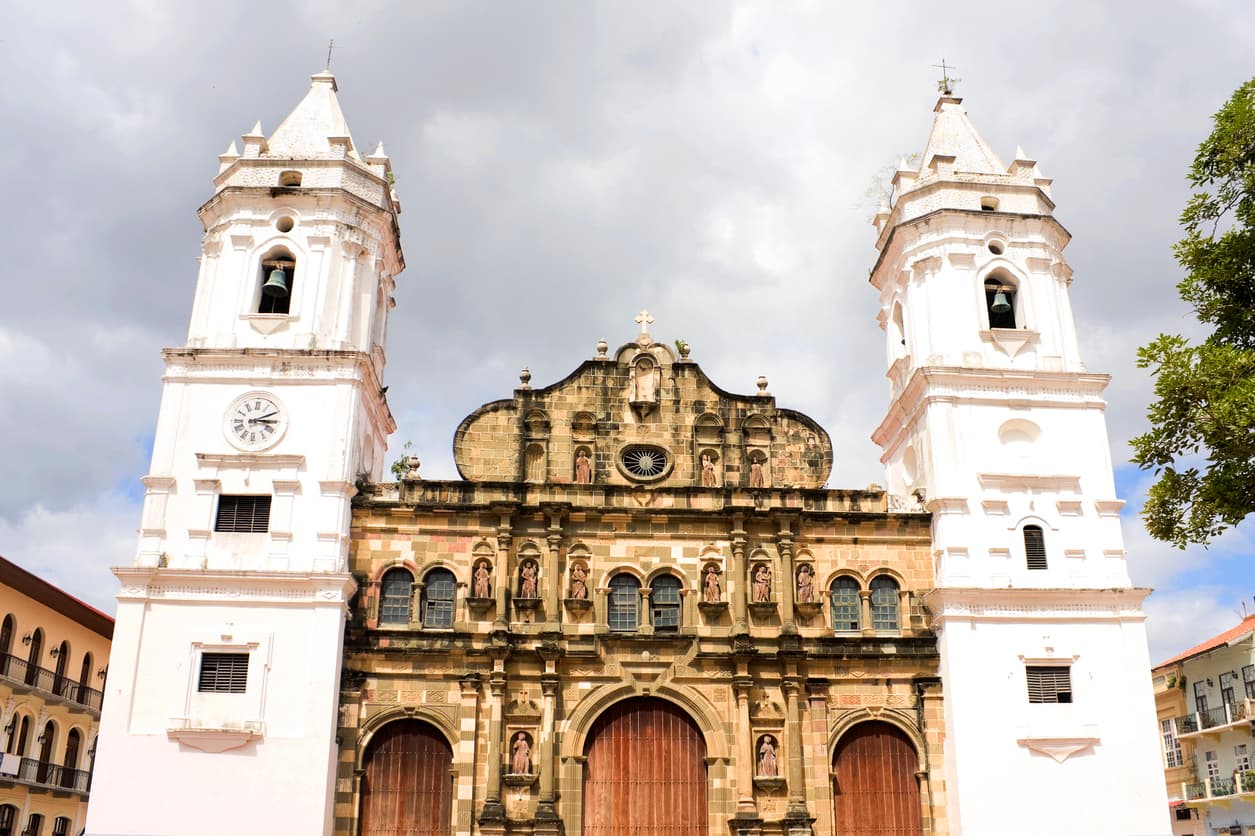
(995, 423)
(232, 614)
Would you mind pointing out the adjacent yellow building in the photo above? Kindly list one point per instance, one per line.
(54, 656)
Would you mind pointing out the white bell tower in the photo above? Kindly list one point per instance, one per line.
(220, 708)
(996, 425)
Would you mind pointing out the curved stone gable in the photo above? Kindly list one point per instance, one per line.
(642, 416)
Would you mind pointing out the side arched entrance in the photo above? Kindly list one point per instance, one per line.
(875, 790)
(407, 783)
(645, 772)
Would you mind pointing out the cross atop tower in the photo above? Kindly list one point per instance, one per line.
(946, 85)
(644, 319)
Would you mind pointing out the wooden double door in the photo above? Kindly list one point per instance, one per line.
(407, 783)
(645, 773)
(875, 790)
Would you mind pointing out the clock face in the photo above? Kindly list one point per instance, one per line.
(255, 421)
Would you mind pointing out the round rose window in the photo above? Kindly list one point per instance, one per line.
(644, 462)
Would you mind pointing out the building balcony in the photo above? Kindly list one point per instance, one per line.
(1240, 785)
(21, 675)
(1213, 721)
(42, 775)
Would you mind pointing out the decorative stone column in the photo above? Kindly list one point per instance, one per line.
(547, 821)
(746, 808)
(738, 595)
(492, 819)
(797, 817)
(502, 576)
(551, 575)
(464, 786)
(865, 607)
(788, 586)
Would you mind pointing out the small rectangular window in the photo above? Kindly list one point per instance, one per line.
(1248, 680)
(246, 514)
(223, 673)
(1049, 683)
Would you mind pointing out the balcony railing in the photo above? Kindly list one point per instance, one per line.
(51, 775)
(1215, 719)
(1194, 791)
(1241, 782)
(21, 671)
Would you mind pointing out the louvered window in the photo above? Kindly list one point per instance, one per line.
(223, 673)
(394, 596)
(1049, 683)
(1035, 547)
(664, 601)
(624, 612)
(845, 604)
(249, 514)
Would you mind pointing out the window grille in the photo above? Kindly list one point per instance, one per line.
(1248, 680)
(1200, 696)
(247, 514)
(884, 603)
(438, 599)
(664, 598)
(845, 604)
(625, 602)
(1049, 683)
(394, 596)
(1035, 547)
(223, 673)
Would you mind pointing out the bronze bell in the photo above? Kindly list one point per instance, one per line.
(1000, 305)
(276, 284)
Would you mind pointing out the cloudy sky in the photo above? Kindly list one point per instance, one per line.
(561, 166)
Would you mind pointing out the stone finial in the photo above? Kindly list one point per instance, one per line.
(762, 385)
(411, 469)
(602, 347)
(525, 378)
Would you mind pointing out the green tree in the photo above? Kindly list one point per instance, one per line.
(1201, 444)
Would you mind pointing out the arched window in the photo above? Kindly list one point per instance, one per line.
(60, 826)
(84, 679)
(394, 596)
(664, 603)
(8, 819)
(36, 652)
(59, 681)
(624, 612)
(70, 771)
(34, 825)
(845, 604)
(1034, 547)
(1000, 301)
(438, 599)
(6, 646)
(884, 603)
(276, 282)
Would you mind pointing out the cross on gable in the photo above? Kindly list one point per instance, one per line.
(644, 319)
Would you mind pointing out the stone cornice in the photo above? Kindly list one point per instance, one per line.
(984, 604)
(996, 387)
(286, 588)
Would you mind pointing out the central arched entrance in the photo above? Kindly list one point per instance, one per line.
(875, 789)
(407, 785)
(645, 772)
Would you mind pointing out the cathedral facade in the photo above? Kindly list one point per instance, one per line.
(640, 610)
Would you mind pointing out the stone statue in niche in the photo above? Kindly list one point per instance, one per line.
(579, 582)
(761, 590)
(583, 468)
(711, 593)
(521, 762)
(645, 383)
(767, 767)
(527, 580)
(757, 480)
(709, 480)
(805, 584)
(481, 586)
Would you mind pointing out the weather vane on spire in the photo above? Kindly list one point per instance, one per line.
(331, 45)
(946, 85)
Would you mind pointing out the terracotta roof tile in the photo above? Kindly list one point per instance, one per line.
(1247, 625)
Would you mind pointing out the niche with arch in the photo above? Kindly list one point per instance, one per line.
(276, 282)
(1002, 298)
(1017, 438)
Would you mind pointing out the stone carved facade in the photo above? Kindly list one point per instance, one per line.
(708, 627)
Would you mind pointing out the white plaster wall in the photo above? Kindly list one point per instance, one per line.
(997, 785)
(147, 783)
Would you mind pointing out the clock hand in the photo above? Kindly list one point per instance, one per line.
(267, 415)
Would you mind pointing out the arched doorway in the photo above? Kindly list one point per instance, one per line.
(407, 783)
(63, 662)
(32, 660)
(84, 680)
(70, 763)
(645, 772)
(874, 784)
(6, 644)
